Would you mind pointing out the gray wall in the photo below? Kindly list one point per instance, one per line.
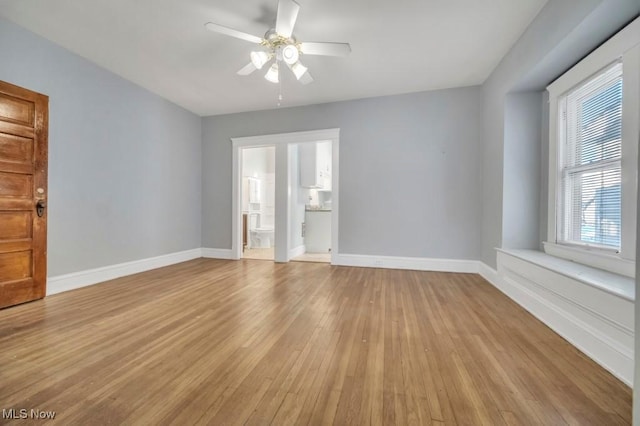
(124, 164)
(521, 193)
(563, 32)
(410, 182)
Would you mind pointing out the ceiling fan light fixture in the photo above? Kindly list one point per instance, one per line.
(290, 54)
(259, 59)
(272, 74)
(298, 70)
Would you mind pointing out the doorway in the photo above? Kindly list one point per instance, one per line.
(258, 202)
(285, 145)
(311, 201)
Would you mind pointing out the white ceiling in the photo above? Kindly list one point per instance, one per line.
(397, 46)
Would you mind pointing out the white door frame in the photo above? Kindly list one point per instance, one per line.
(282, 199)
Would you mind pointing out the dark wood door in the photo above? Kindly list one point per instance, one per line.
(23, 194)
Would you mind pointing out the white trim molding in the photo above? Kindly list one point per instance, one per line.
(598, 322)
(488, 273)
(595, 258)
(608, 52)
(214, 253)
(72, 281)
(411, 263)
(298, 251)
(281, 142)
(623, 47)
(287, 138)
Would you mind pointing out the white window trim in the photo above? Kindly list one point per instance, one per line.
(626, 45)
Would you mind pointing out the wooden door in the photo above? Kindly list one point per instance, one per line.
(23, 188)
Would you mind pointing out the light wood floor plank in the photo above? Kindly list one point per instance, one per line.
(254, 342)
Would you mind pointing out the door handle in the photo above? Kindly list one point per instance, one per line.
(40, 206)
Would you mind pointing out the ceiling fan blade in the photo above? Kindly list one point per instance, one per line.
(286, 18)
(247, 69)
(325, 49)
(233, 33)
(306, 78)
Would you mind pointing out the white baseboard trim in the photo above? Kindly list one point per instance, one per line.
(412, 263)
(213, 253)
(572, 321)
(66, 282)
(488, 273)
(298, 251)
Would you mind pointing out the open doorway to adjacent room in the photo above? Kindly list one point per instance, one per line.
(258, 202)
(311, 201)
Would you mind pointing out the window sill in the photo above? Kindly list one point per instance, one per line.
(597, 259)
(615, 284)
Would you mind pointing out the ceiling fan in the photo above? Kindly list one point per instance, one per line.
(280, 46)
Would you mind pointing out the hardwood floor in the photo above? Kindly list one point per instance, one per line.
(313, 257)
(254, 342)
(259, 253)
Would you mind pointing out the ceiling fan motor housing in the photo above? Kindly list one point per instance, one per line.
(283, 48)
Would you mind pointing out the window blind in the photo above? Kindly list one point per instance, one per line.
(591, 161)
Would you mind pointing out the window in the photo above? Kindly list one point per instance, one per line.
(594, 126)
(590, 154)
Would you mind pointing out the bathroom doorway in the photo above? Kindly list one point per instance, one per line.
(258, 202)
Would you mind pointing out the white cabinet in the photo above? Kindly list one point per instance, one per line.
(250, 193)
(317, 237)
(315, 165)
